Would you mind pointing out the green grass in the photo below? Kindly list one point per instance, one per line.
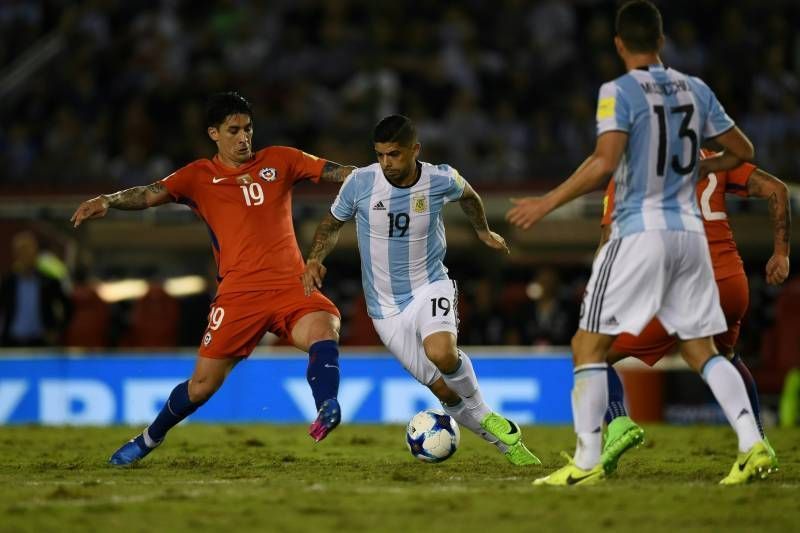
(273, 478)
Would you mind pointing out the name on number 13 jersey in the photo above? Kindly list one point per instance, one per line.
(400, 231)
(667, 115)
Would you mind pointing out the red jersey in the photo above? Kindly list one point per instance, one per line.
(711, 199)
(248, 211)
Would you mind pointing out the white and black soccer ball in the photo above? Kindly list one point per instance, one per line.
(432, 436)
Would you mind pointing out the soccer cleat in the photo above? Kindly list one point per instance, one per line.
(622, 435)
(132, 451)
(505, 430)
(773, 467)
(571, 474)
(756, 463)
(519, 455)
(328, 417)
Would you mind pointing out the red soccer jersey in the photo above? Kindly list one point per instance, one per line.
(248, 211)
(711, 199)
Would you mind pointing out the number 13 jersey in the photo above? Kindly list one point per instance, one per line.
(667, 116)
(400, 231)
(711, 192)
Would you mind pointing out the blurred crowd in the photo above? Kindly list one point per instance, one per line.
(503, 90)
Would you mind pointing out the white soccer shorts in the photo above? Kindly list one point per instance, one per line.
(432, 310)
(664, 274)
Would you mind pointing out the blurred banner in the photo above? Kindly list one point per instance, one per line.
(105, 389)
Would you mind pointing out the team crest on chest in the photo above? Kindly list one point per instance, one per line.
(419, 204)
(268, 174)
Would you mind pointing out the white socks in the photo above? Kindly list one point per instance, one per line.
(466, 418)
(728, 387)
(464, 383)
(589, 404)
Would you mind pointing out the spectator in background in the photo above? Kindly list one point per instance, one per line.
(33, 306)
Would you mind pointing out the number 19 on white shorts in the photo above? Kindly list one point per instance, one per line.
(433, 309)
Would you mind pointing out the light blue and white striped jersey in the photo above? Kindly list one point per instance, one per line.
(400, 231)
(667, 116)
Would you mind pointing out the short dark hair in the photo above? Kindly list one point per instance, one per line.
(639, 25)
(395, 129)
(222, 105)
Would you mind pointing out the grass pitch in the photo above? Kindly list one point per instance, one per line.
(274, 478)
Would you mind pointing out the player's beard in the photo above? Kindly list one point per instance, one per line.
(397, 174)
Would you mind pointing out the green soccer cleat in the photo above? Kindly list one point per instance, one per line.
(571, 474)
(773, 467)
(622, 435)
(756, 463)
(505, 430)
(519, 455)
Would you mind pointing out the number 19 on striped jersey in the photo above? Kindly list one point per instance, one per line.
(398, 222)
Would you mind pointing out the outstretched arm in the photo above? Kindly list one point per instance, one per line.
(472, 206)
(592, 173)
(325, 239)
(737, 149)
(764, 185)
(129, 199)
(335, 173)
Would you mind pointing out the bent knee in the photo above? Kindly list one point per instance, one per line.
(323, 327)
(445, 360)
(590, 347)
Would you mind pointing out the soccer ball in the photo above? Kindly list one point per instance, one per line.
(432, 436)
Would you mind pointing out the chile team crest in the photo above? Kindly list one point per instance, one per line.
(268, 174)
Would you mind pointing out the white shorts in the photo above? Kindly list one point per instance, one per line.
(432, 310)
(664, 274)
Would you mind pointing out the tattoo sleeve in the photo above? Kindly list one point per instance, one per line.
(763, 185)
(473, 207)
(325, 238)
(133, 198)
(334, 172)
(781, 216)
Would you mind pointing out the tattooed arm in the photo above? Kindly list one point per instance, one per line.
(325, 239)
(129, 199)
(472, 206)
(766, 186)
(334, 172)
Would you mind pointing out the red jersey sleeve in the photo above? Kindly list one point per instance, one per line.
(180, 184)
(302, 166)
(608, 203)
(738, 178)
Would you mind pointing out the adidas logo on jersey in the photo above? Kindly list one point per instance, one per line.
(379, 207)
(612, 321)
